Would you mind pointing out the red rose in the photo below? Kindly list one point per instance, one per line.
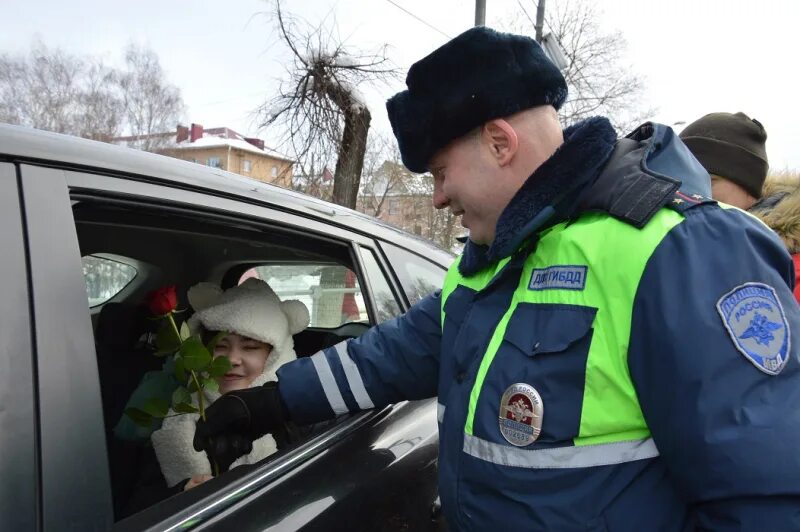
(162, 301)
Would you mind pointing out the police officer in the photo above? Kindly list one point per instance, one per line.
(604, 358)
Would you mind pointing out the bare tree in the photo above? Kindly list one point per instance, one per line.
(52, 90)
(599, 81)
(102, 114)
(319, 105)
(383, 173)
(56, 91)
(152, 104)
(438, 225)
(311, 175)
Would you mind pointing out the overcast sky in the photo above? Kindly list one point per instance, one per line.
(697, 56)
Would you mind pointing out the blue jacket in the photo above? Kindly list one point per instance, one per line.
(726, 430)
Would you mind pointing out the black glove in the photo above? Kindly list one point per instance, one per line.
(236, 419)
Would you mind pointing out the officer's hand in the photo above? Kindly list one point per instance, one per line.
(223, 450)
(238, 417)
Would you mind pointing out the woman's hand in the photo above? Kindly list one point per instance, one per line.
(196, 481)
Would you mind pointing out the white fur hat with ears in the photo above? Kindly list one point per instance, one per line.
(250, 309)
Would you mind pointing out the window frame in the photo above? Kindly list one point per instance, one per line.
(67, 380)
(20, 492)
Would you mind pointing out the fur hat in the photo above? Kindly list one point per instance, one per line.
(732, 146)
(779, 208)
(250, 309)
(480, 75)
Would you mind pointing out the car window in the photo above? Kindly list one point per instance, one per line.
(418, 276)
(138, 374)
(331, 292)
(385, 302)
(105, 278)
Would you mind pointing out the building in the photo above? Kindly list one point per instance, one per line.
(221, 148)
(397, 196)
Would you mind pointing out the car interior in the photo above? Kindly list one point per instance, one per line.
(130, 249)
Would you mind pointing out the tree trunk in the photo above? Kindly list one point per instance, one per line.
(351, 156)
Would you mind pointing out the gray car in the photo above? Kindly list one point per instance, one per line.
(88, 229)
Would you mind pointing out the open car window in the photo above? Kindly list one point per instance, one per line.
(182, 247)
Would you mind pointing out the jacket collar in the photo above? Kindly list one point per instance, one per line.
(548, 194)
(630, 179)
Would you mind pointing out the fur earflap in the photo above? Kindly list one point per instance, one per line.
(203, 295)
(297, 315)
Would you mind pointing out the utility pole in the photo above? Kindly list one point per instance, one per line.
(480, 12)
(539, 21)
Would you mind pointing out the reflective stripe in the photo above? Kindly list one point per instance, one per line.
(328, 382)
(561, 457)
(440, 412)
(354, 379)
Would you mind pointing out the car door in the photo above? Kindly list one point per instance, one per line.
(385, 457)
(20, 496)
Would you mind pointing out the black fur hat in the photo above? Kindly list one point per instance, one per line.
(480, 75)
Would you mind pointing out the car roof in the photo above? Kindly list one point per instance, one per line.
(54, 149)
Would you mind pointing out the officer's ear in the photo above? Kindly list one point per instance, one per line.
(501, 139)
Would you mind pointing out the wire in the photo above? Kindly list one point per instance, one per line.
(526, 14)
(431, 26)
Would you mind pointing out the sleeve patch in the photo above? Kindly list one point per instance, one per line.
(755, 320)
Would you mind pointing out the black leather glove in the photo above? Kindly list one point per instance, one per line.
(236, 419)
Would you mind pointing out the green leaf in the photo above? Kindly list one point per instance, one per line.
(185, 332)
(140, 417)
(156, 407)
(166, 343)
(181, 395)
(185, 408)
(219, 367)
(180, 370)
(195, 355)
(209, 384)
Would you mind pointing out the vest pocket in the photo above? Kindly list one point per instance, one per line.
(545, 346)
(538, 328)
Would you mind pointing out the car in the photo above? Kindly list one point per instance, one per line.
(88, 230)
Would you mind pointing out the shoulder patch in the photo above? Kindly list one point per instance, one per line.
(559, 278)
(755, 320)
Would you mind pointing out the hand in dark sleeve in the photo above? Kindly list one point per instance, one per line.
(235, 420)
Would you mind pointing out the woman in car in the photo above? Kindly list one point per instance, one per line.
(259, 340)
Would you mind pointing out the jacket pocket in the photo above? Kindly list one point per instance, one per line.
(546, 346)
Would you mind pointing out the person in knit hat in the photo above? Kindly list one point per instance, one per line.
(731, 147)
(259, 341)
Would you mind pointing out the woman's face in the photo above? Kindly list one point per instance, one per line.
(247, 358)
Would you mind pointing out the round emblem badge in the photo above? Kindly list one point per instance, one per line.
(521, 412)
